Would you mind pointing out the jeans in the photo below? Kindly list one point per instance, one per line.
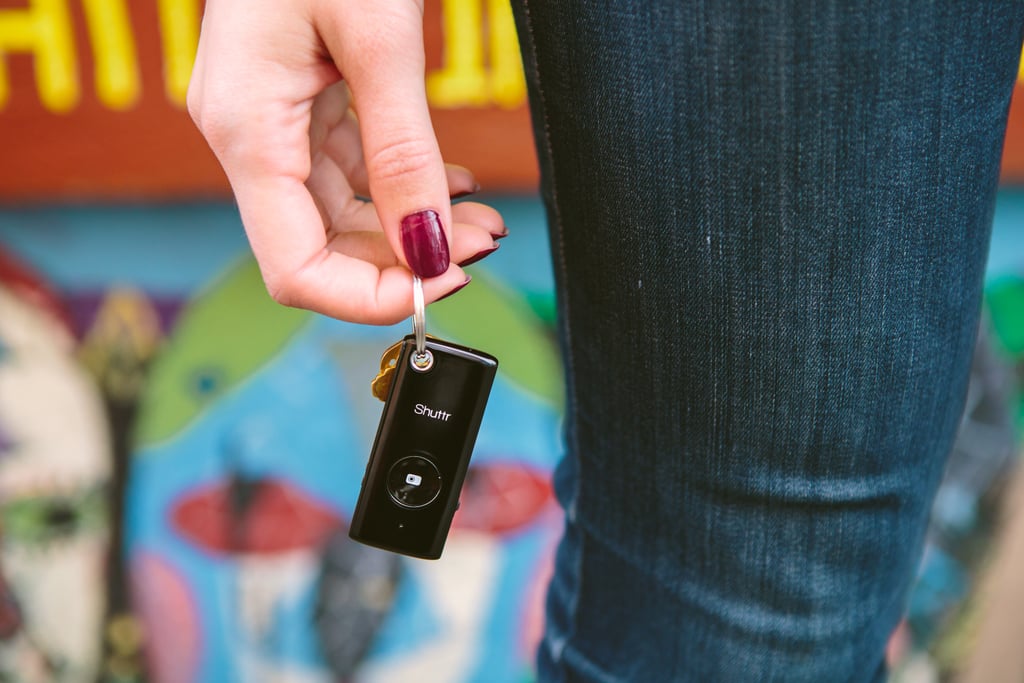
(769, 224)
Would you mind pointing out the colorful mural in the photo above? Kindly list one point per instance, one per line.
(248, 433)
(222, 440)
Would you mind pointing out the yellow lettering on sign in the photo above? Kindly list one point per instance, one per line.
(508, 84)
(43, 29)
(179, 26)
(117, 75)
(463, 80)
(466, 80)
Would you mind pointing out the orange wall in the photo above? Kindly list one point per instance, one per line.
(1013, 151)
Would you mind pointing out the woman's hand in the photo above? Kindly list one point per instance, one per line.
(276, 90)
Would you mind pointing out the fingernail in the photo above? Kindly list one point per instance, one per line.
(466, 193)
(500, 235)
(479, 255)
(469, 278)
(424, 243)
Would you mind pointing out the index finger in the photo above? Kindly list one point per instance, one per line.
(288, 239)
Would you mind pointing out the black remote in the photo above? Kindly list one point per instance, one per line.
(424, 442)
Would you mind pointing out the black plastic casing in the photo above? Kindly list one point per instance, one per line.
(414, 424)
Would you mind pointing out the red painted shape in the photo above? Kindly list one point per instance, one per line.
(502, 497)
(275, 517)
(32, 288)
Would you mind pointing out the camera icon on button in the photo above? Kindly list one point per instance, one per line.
(414, 482)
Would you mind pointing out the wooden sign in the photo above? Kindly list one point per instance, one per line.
(92, 99)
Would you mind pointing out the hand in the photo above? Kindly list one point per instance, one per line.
(268, 95)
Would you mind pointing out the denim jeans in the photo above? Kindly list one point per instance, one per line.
(769, 224)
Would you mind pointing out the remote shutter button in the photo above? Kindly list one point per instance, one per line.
(414, 482)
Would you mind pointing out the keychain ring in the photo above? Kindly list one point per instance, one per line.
(419, 315)
(422, 359)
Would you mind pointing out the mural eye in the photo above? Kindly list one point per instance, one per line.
(60, 517)
(37, 521)
(207, 382)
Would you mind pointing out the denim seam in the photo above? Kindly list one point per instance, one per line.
(569, 369)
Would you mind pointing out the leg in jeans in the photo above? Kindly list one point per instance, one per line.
(769, 223)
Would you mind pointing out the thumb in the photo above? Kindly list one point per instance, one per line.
(378, 47)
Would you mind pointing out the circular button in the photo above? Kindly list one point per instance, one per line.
(414, 482)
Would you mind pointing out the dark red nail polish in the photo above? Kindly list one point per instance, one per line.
(500, 235)
(469, 279)
(424, 243)
(479, 255)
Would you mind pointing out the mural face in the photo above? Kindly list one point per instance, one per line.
(251, 441)
(54, 469)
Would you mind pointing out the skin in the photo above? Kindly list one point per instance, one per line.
(301, 146)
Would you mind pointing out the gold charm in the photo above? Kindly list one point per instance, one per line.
(381, 384)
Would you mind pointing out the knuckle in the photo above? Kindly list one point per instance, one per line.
(401, 159)
(254, 142)
(283, 289)
(219, 117)
(212, 121)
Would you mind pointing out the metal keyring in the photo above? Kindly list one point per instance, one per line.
(422, 359)
(419, 315)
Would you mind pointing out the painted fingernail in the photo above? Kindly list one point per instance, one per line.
(424, 243)
(466, 193)
(500, 235)
(479, 255)
(469, 278)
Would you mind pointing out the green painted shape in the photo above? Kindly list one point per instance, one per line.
(1006, 305)
(543, 304)
(221, 338)
(37, 521)
(497, 320)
